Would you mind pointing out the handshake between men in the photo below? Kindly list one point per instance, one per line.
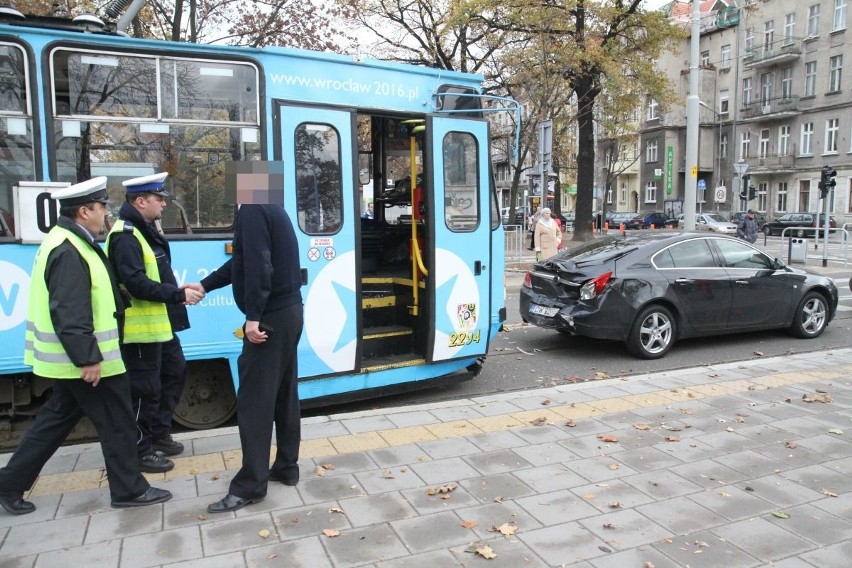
(194, 293)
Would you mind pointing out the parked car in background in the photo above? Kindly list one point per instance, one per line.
(644, 221)
(714, 223)
(801, 220)
(654, 288)
(620, 217)
(759, 217)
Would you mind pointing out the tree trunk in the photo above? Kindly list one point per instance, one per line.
(586, 93)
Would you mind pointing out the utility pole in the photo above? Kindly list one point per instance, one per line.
(691, 161)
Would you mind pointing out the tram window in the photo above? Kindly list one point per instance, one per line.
(194, 155)
(13, 89)
(461, 182)
(319, 188)
(104, 85)
(16, 132)
(203, 90)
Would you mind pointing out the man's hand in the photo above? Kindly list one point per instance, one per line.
(91, 374)
(253, 333)
(194, 293)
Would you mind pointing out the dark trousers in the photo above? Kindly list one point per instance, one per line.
(108, 407)
(268, 393)
(157, 376)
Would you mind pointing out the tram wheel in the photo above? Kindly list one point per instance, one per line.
(208, 399)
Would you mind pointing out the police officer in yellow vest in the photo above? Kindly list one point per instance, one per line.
(141, 258)
(73, 328)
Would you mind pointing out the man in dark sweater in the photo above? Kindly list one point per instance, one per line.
(266, 278)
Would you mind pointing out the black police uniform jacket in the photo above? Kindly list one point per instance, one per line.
(125, 255)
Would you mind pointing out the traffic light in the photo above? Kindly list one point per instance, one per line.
(752, 193)
(744, 187)
(826, 181)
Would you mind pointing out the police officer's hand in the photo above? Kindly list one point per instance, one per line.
(91, 373)
(193, 293)
(253, 333)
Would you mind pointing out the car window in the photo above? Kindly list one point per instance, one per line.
(716, 217)
(739, 255)
(688, 254)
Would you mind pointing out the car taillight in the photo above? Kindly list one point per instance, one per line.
(528, 280)
(594, 286)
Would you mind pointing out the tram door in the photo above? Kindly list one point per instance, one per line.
(460, 160)
(316, 148)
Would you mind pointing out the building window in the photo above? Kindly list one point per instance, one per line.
(781, 202)
(835, 72)
(609, 195)
(787, 83)
(726, 57)
(810, 78)
(653, 109)
(789, 27)
(746, 91)
(839, 15)
(651, 192)
(766, 81)
(763, 145)
(723, 101)
(745, 141)
(705, 58)
(768, 35)
(723, 146)
(804, 194)
(651, 151)
(762, 196)
(805, 141)
(749, 40)
(832, 129)
(849, 201)
(784, 140)
(623, 193)
(813, 20)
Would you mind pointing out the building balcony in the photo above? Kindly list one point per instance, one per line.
(781, 51)
(771, 164)
(770, 109)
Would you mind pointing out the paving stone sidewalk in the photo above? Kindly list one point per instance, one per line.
(737, 465)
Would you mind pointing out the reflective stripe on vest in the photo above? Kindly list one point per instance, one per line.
(42, 349)
(144, 321)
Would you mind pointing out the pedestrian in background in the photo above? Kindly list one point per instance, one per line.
(141, 259)
(747, 227)
(547, 236)
(73, 333)
(266, 277)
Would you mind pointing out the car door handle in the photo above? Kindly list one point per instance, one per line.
(741, 282)
(684, 281)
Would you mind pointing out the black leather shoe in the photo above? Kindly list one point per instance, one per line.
(153, 463)
(150, 497)
(167, 446)
(230, 503)
(15, 504)
(285, 478)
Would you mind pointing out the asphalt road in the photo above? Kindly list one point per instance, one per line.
(526, 357)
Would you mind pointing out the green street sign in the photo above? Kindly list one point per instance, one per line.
(669, 168)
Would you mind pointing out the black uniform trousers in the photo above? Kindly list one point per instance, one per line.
(108, 407)
(268, 393)
(157, 376)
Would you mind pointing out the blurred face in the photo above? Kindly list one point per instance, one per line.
(151, 206)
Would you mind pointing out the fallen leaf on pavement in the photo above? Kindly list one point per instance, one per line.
(615, 505)
(540, 421)
(780, 514)
(790, 444)
(816, 398)
(608, 438)
(837, 431)
(486, 552)
(672, 438)
(386, 474)
(468, 524)
(570, 423)
(336, 510)
(613, 466)
(264, 533)
(640, 426)
(505, 529)
(545, 402)
(330, 533)
(601, 375)
(829, 493)
(441, 489)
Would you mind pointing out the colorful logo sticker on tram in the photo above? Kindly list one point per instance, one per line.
(14, 291)
(467, 316)
(457, 307)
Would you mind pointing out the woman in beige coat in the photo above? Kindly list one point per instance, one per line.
(547, 236)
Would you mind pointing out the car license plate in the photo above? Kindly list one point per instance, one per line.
(543, 311)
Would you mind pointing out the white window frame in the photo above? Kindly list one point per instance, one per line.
(653, 109)
(762, 196)
(768, 35)
(652, 151)
(781, 202)
(767, 81)
(723, 145)
(835, 73)
(786, 83)
(651, 192)
(745, 143)
(813, 20)
(747, 86)
(763, 143)
(726, 57)
(784, 140)
(705, 58)
(789, 28)
(832, 132)
(724, 101)
(749, 40)
(839, 15)
(806, 139)
(623, 192)
(810, 78)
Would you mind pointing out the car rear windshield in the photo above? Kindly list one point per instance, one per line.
(599, 250)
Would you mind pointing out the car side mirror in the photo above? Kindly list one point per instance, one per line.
(778, 264)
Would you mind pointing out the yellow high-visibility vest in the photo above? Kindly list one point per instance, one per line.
(144, 321)
(43, 349)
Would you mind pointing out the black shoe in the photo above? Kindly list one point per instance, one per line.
(285, 478)
(230, 503)
(150, 497)
(167, 446)
(15, 504)
(154, 463)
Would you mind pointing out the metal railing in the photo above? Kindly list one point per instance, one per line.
(841, 243)
(516, 238)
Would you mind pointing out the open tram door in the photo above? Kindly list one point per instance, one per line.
(458, 149)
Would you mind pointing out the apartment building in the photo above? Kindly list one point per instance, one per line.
(774, 99)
